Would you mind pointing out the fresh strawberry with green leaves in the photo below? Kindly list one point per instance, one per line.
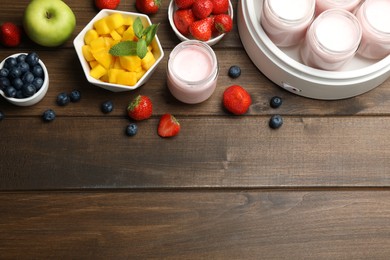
(140, 108)
(223, 23)
(236, 100)
(148, 6)
(202, 8)
(10, 34)
(202, 29)
(107, 4)
(168, 126)
(184, 4)
(220, 6)
(182, 19)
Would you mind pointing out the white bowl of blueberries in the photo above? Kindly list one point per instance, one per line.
(24, 79)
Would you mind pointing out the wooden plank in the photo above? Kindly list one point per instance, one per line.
(196, 225)
(73, 153)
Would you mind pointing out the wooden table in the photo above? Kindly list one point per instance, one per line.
(227, 187)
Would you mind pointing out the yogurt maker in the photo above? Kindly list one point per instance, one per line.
(284, 67)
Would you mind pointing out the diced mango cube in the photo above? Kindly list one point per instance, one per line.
(140, 74)
(104, 58)
(127, 78)
(109, 42)
(148, 61)
(127, 20)
(98, 71)
(101, 26)
(86, 49)
(90, 35)
(115, 21)
(113, 75)
(93, 64)
(128, 35)
(104, 78)
(117, 63)
(131, 63)
(121, 29)
(115, 35)
(98, 44)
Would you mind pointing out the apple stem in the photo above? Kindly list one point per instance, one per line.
(48, 15)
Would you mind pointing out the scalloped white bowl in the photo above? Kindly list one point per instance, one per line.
(79, 42)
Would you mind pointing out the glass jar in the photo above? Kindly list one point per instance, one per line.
(192, 71)
(349, 5)
(331, 40)
(374, 17)
(286, 21)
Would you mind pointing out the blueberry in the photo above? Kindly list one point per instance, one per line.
(107, 107)
(10, 92)
(28, 90)
(49, 115)
(32, 59)
(4, 83)
(10, 63)
(75, 96)
(14, 73)
(1, 115)
(131, 129)
(38, 83)
(275, 102)
(19, 94)
(17, 83)
(63, 99)
(28, 77)
(37, 71)
(21, 58)
(276, 121)
(4, 72)
(23, 66)
(234, 72)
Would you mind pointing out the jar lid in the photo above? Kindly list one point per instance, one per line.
(377, 14)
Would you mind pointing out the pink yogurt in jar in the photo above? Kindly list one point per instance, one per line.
(349, 5)
(331, 40)
(192, 71)
(374, 17)
(286, 21)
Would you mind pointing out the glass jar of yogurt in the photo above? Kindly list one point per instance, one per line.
(349, 5)
(192, 71)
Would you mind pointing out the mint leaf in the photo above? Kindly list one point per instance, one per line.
(142, 48)
(150, 32)
(138, 28)
(125, 48)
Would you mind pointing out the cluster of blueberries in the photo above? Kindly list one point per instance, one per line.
(21, 76)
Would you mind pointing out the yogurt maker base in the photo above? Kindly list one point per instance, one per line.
(284, 67)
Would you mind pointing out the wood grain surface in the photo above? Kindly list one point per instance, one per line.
(226, 187)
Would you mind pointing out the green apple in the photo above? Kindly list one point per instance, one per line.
(49, 22)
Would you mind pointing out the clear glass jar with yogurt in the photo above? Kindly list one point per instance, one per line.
(349, 5)
(192, 71)
(374, 17)
(286, 21)
(332, 40)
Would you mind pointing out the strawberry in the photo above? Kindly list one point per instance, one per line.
(140, 108)
(107, 4)
(220, 6)
(201, 29)
(10, 34)
(148, 6)
(236, 100)
(223, 23)
(202, 8)
(184, 4)
(182, 19)
(168, 126)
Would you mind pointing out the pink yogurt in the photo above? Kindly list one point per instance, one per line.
(286, 21)
(349, 5)
(192, 71)
(374, 17)
(332, 40)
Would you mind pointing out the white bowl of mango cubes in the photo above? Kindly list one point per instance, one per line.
(107, 71)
